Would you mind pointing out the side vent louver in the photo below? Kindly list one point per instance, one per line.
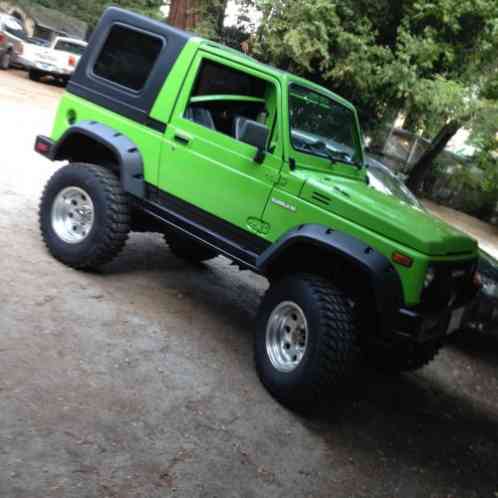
(320, 198)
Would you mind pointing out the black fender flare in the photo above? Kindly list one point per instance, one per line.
(129, 159)
(384, 279)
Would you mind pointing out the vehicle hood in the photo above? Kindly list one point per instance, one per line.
(386, 215)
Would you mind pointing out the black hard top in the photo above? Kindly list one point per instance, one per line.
(134, 105)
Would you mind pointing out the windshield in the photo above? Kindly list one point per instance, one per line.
(12, 27)
(321, 126)
(72, 48)
(385, 182)
(38, 41)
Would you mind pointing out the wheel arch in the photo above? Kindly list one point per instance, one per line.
(355, 266)
(93, 142)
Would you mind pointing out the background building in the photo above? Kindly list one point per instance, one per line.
(44, 23)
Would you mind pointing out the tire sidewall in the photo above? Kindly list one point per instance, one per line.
(74, 175)
(34, 75)
(6, 61)
(284, 383)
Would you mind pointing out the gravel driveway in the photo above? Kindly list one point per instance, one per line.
(138, 381)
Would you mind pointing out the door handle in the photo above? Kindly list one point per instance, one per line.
(183, 139)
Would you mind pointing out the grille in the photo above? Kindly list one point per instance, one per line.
(452, 285)
(320, 198)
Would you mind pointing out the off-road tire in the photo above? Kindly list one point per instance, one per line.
(395, 359)
(189, 250)
(331, 352)
(111, 226)
(5, 61)
(34, 75)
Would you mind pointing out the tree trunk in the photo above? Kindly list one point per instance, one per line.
(195, 15)
(221, 16)
(412, 122)
(184, 14)
(424, 164)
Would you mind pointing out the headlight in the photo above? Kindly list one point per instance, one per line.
(429, 277)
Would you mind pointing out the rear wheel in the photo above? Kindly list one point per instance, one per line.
(35, 75)
(305, 343)
(84, 216)
(185, 248)
(5, 61)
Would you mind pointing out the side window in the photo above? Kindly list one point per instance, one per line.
(223, 97)
(127, 57)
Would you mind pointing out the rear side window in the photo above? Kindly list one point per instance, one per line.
(127, 57)
(72, 48)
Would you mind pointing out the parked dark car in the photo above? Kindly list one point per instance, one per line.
(381, 178)
(482, 314)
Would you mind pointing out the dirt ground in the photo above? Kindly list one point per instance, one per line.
(139, 381)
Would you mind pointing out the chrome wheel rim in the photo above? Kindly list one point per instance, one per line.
(286, 336)
(73, 215)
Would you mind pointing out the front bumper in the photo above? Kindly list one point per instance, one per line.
(422, 327)
(51, 69)
(443, 303)
(19, 60)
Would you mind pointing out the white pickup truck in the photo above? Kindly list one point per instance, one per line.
(59, 59)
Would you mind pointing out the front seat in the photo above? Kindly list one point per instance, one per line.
(238, 126)
(201, 116)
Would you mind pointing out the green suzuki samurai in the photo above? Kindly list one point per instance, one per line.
(170, 133)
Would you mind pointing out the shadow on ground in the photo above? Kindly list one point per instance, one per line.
(416, 423)
(480, 346)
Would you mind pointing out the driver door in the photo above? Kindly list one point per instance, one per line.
(202, 162)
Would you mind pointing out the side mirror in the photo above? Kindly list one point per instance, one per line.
(252, 133)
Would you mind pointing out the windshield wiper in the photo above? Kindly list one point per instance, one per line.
(337, 155)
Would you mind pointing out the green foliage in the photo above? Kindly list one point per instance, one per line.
(90, 11)
(326, 43)
(434, 60)
(211, 25)
(429, 57)
(210, 15)
(233, 36)
(484, 138)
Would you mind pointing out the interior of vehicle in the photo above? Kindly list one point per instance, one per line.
(224, 99)
(71, 47)
(321, 126)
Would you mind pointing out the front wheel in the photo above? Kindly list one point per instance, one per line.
(34, 75)
(84, 216)
(305, 343)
